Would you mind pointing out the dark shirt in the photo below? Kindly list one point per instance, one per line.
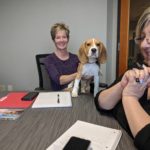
(57, 67)
(142, 139)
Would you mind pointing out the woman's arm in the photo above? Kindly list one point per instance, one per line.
(136, 115)
(109, 98)
(67, 78)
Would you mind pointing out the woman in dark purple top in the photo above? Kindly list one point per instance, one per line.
(61, 64)
(57, 68)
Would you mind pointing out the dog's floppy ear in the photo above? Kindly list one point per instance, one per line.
(103, 55)
(82, 54)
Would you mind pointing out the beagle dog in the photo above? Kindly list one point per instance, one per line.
(91, 54)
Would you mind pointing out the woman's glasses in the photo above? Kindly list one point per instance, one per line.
(141, 38)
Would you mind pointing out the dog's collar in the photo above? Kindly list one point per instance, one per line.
(91, 62)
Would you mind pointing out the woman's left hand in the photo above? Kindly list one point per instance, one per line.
(134, 88)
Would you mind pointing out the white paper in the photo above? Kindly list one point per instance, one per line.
(52, 99)
(102, 138)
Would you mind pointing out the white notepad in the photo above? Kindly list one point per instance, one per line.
(102, 138)
(52, 99)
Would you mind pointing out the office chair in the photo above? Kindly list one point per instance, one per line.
(44, 80)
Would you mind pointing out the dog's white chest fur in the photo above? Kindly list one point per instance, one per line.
(90, 69)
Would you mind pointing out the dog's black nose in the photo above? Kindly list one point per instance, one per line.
(93, 50)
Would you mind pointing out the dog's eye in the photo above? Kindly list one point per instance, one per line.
(98, 44)
(88, 44)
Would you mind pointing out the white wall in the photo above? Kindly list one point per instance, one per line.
(111, 40)
(24, 32)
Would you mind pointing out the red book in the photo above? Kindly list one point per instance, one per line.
(13, 100)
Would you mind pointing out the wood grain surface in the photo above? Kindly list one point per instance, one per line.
(37, 128)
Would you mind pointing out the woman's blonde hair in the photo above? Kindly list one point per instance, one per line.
(58, 27)
(142, 23)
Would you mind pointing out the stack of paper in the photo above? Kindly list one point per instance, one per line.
(52, 99)
(102, 138)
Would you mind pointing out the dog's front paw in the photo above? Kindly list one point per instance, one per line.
(74, 93)
(83, 90)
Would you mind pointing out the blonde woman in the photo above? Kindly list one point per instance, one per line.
(128, 98)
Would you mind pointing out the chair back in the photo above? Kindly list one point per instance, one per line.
(44, 79)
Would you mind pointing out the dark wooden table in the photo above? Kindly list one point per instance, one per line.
(36, 128)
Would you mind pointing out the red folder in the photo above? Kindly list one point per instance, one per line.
(13, 100)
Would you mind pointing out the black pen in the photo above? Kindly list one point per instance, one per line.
(58, 101)
(139, 67)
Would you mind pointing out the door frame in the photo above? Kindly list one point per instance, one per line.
(123, 44)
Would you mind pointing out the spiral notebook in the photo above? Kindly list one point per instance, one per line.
(52, 99)
(101, 138)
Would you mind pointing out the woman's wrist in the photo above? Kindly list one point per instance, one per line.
(129, 97)
(121, 87)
